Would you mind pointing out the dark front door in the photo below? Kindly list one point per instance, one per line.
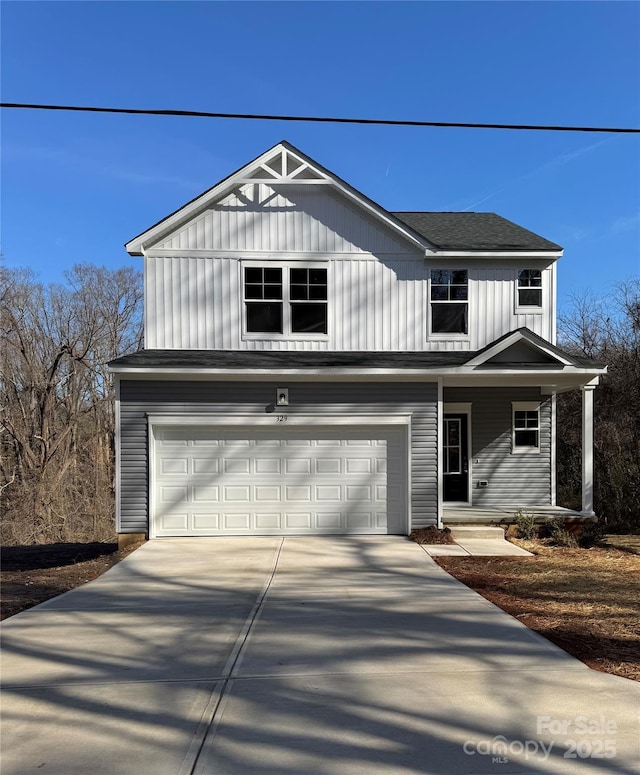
(455, 458)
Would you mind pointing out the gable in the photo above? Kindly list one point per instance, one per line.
(281, 170)
(268, 216)
(522, 353)
(521, 348)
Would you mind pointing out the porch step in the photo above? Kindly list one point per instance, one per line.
(479, 531)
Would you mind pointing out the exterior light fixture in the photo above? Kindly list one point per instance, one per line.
(282, 396)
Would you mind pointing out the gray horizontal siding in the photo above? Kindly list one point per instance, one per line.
(139, 398)
(513, 479)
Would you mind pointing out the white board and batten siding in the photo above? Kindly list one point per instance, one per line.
(307, 219)
(378, 283)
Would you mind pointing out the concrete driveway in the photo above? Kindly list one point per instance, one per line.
(298, 656)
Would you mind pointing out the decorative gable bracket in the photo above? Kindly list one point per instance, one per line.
(286, 167)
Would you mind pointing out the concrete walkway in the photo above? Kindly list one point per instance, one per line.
(476, 541)
(298, 656)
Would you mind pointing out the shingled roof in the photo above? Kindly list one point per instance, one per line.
(473, 231)
(289, 359)
(276, 360)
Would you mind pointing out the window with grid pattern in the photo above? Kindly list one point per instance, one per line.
(449, 297)
(285, 300)
(530, 288)
(526, 428)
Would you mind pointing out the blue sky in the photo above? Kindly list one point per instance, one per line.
(75, 186)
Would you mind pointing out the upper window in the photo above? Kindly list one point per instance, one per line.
(449, 301)
(285, 300)
(530, 288)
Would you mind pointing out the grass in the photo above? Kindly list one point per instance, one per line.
(587, 601)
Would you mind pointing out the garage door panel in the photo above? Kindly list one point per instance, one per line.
(297, 466)
(328, 465)
(237, 494)
(268, 521)
(174, 465)
(265, 465)
(207, 495)
(356, 465)
(173, 437)
(206, 465)
(175, 521)
(237, 521)
(275, 481)
(210, 521)
(298, 521)
(173, 494)
(298, 493)
(328, 492)
(359, 521)
(267, 492)
(329, 520)
(239, 465)
(358, 493)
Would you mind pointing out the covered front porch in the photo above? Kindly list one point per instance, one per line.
(497, 425)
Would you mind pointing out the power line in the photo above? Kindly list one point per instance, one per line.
(319, 119)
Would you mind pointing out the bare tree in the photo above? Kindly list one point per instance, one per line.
(56, 399)
(606, 328)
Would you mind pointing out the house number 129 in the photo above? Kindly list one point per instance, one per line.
(281, 418)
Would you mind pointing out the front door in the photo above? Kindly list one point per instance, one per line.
(455, 458)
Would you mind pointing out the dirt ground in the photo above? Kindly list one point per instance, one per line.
(32, 574)
(587, 601)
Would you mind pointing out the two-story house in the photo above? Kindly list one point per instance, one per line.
(316, 364)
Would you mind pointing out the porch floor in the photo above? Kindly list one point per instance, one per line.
(470, 515)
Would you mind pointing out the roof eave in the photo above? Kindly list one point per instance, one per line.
(510, 253)
(432, 373)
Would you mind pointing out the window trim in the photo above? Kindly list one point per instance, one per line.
(287, 334)
(525, 406)
(529, 309)
(441, 336)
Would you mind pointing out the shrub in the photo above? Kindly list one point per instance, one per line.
(592, 534)
(526, 524)
(560, 535)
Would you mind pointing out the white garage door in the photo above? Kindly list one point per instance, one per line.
(210, 481)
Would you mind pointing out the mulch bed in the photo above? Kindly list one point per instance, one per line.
(431, 535)
(587, 601)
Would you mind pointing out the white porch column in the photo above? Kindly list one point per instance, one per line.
(587, 450)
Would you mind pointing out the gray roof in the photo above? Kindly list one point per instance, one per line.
(474, 231)
(288, 359)
(277, 360)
